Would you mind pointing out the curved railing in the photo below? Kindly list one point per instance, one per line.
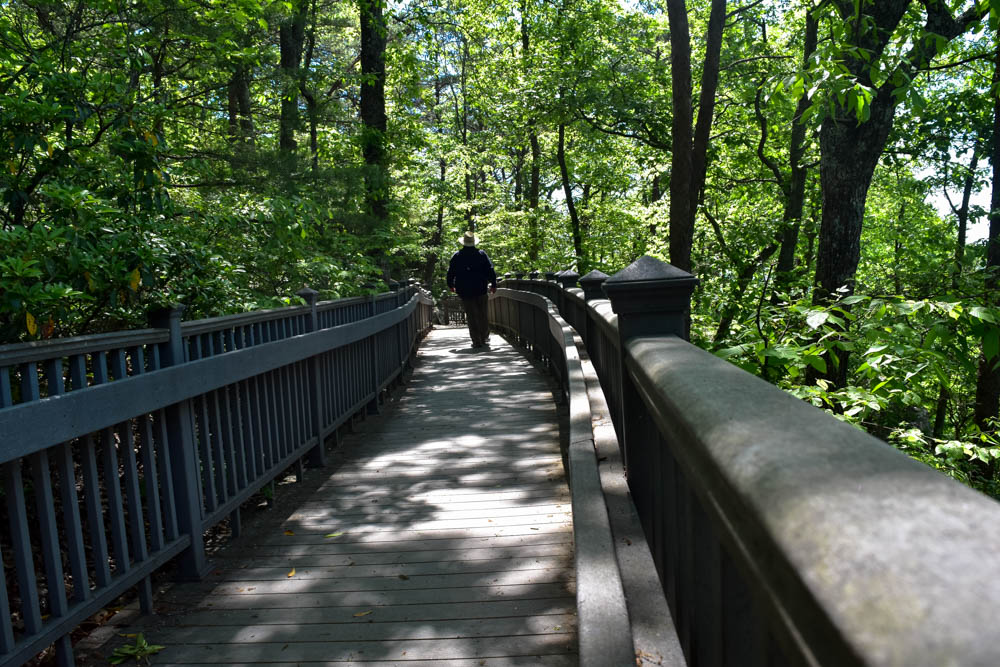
(780, 534)
(120, 450)
(606, 597)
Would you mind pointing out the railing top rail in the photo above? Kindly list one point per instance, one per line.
(340, 303)
(210, 324)
(31, 427)
(863, 554)
(43, 350)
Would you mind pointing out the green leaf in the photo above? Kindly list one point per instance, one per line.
(991, 342)
(819, 364)
(816, 318)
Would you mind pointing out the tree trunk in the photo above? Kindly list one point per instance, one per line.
(536, 151)
(291, 39)
(373, 117)
(795, 195)
(574, 218)
(962, 214)
(743, 278)
(435, 241)
(850, 150)
(688, 157)
(988, 380)
(312, 104)
(534, 242)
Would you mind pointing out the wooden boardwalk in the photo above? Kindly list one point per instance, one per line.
(441, 534)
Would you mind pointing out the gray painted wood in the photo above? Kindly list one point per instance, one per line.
(432, 539)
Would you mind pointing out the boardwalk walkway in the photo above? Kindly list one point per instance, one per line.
(441, 534)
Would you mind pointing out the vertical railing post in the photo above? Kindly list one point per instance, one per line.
(566, 280)
(373, 408)
(592, 285)
(184, 463)
(317, 455)
(400, 290)
(651, 298)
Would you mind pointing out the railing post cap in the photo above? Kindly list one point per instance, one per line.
(567, 278)
(174, 311)
(591, 284)
(519, 275)
(533, 275)
(648, 274)
(550, 275)
(507, 275)
(393, 285)
(651, 297)
(309, 294)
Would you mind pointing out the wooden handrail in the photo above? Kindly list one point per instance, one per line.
(780, 534)
(133, 447)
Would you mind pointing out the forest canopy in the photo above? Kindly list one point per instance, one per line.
(818, 164)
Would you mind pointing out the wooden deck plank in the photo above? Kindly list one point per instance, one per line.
(314, 555)
(408, 649)
(442, 535)
(528, 661)
(427, 612)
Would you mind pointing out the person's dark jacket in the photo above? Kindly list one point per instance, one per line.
(471, 272)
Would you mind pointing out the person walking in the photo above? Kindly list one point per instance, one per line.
(471, 275)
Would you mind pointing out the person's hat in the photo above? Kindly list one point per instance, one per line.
(468, 240)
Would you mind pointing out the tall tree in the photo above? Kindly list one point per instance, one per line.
(854, 134)
(291, 40)
(373, 116)
(690, 150)
(988, 377)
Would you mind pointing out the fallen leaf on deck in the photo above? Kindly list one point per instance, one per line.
(289, 532)
(403, 577)
(534, 529)
(292, 573)
(329, 535)
(362, 613)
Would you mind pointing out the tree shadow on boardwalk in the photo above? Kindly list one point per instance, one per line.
(439, 533)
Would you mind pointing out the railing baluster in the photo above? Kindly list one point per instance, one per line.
(205, 447)
(95, 512)
(41, 477)
(24, 564)
(167, 498)
(239, 434)
(151, 477)
(218, 447)
(112, 487)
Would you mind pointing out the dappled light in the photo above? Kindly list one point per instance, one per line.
(440, 531)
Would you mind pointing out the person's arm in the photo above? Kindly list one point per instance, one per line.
(490, 273)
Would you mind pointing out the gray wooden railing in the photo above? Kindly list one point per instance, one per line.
(780, 535)
(118, 451)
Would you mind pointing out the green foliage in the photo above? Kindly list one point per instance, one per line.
(142, 166)
(139, 650)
